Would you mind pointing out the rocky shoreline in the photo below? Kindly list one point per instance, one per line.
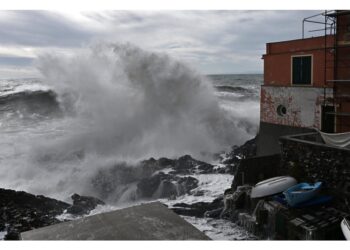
(156, 179)
(21, 211)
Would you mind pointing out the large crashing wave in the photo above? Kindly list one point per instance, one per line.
(27, 103)
(137, 104)
(120, 104)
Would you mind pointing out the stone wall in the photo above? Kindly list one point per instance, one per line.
(252, 170)
(308, 159)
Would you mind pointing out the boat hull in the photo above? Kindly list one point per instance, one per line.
(316, 201)
(345, 227)
(272, 186)
(301, 193)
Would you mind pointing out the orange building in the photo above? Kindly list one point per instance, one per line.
(307, 83)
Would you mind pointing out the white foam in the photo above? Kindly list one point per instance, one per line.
(212, 185)
(128, 105)
(2, 234)
(219, 229)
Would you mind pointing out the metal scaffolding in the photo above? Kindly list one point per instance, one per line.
(338, 60)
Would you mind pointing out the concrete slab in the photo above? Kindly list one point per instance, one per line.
(152, 221)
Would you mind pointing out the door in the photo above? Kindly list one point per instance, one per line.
(328, 121)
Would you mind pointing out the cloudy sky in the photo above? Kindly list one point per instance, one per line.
(213, 42)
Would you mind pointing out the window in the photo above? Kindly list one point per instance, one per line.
(301, 70)
(281, 110)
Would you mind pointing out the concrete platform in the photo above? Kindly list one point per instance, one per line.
(152, 221)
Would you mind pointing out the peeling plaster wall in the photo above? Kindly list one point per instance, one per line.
(303, 105)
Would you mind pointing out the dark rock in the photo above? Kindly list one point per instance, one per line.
(148, 186)
(198, 193)
(236, 202)
(166, 189)
(77, 210)
(21, 211)
(187, 184)
(163, 185)
(86, 201)
(2, 225)
(247, 150)
(83, 204)
(187, 165)
(12, 234)
(205, 168)
(232, 161)
(110, 183)
(240, 200)
(165, 162)
(198, 209)
(216, 213)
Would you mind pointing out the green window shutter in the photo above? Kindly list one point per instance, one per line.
(301, 70)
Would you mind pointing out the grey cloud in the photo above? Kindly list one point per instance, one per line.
(41, 28)
(17, 61)
(219, 41)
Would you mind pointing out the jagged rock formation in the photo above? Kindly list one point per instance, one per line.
(21, 211)
(150, 179)
(162, 178)
(83, 204)
(200, 209)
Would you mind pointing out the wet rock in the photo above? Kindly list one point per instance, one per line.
(236, 201)
(233, 158)
(185, 164)
(215, 213)
(187, 184)
(150, 178)
(198, 193)
(112, 181)
(247, 150)
(166, 189)
(148, 186)
(205, 168)
(163, 185)
(165, 162)
(199, 209)
(196, 209)
(188, 165)
(21, 211)
(83, 204)
(12, 234)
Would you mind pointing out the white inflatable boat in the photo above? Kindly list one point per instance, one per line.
(272, 186)
(345, 227)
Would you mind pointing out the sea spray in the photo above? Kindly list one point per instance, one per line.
(136, 104)
(120, 103)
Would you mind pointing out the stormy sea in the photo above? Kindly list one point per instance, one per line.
(119, 123)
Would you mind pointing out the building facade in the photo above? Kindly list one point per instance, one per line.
(306, 83)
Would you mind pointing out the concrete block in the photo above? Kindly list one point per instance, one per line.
(152, 221)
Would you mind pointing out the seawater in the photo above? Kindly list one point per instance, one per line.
(111, 103)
